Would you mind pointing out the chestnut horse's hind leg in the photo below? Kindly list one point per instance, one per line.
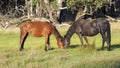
(22, 39)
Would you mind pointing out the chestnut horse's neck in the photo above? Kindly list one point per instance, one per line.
(56, 34)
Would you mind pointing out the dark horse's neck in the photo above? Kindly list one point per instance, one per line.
(69, 33)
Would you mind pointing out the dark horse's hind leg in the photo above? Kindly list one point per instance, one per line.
(104, 38)
(22, 39)
(108, 44)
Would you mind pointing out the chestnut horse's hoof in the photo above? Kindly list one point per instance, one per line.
(20, 49)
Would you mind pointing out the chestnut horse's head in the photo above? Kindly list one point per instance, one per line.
(60, 42)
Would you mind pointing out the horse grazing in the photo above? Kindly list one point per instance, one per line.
(85, 28)
(39, 29)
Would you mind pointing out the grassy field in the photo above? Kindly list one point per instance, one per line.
(34, 56)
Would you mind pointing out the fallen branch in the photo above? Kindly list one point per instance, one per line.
(110, 18)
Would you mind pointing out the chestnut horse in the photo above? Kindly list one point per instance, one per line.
(85, 28)
(39, 29)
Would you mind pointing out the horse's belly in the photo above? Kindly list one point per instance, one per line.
(90, 33)
(36, 33)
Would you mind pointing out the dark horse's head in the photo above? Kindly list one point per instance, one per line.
(67, 37)
(66, 42)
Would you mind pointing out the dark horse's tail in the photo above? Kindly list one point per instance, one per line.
(109, 33)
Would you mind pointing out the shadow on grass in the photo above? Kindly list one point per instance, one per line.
(52, 48)
(114, 46)
(83, 46)
(73, 46)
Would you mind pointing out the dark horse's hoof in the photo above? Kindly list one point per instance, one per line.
(102, 48)
(109, 49)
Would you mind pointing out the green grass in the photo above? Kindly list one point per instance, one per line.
(34, 56)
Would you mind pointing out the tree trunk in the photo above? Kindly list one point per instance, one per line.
(59, 4)
(81, 13)
(31, 8)
(28, 7)
(50, 11)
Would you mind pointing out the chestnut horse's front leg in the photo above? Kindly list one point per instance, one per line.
(47, 43)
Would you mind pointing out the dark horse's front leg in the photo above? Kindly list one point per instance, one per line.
(86, 40)
(81, 39)
(22, 39)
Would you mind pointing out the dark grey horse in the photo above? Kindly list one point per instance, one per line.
(85, 28)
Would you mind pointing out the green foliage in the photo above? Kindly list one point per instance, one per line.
(54, 4)
(72, 2)
(35, 2)
(98, 3)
